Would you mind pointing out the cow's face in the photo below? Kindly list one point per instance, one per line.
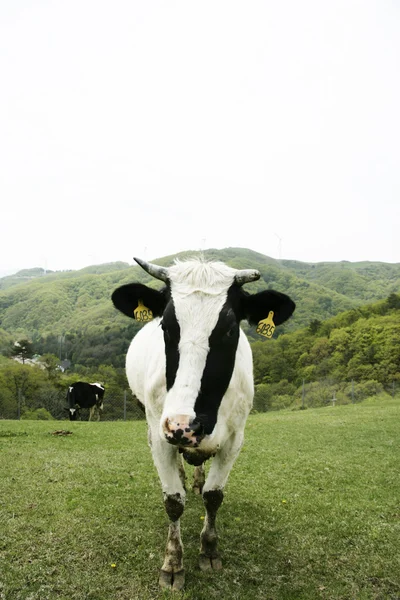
(200, 311)
(73, 414)
(201, 334)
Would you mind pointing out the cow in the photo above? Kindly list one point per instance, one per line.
(85, 395)
(191, 367)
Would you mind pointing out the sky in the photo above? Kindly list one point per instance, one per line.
(132, 128)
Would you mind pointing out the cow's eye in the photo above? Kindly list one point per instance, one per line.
(231, 332)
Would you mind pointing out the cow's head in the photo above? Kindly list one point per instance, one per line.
(200, 310)
(73, 413)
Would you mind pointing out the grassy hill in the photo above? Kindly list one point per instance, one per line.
(77, 305)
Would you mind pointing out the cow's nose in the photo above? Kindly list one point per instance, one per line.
(182, 431)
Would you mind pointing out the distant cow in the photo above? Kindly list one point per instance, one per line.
(191, 367)
(85, 395)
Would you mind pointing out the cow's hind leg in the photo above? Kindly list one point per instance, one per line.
(198, 479)
(213, 496)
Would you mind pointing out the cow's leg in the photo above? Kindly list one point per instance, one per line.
(91, 412)
(213, 496)
(198, 479)
(168, 462)
(182, 472)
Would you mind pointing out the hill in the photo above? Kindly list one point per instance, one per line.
(70, 313)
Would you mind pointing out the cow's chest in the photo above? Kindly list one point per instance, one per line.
(195, 457)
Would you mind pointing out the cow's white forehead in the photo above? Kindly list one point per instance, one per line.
(197, 275)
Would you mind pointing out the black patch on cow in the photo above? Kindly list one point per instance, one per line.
(220, 362)
(126, 299)
(172, 336)
(174, 506)
(213, 500)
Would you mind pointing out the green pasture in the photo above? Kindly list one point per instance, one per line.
(311, 511)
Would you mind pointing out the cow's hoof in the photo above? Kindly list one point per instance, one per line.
(172, 581)
(209, 564)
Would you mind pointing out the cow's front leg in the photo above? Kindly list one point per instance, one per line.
(209, 556)
(213, 496)
(172, 574)
(169, 466)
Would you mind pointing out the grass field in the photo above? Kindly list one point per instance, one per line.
(312, 511)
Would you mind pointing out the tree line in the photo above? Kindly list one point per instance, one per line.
(353, 355)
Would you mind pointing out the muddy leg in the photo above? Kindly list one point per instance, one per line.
(171, 473)
(209, 556)
(213, 496)
(198, 479)
(172, 574)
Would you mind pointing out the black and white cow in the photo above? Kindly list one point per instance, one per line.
(192, 369)
(85, 395)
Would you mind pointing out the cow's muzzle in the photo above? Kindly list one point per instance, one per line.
(181, 431)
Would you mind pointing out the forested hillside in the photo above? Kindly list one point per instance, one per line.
(70, 315)
(354, 354)
(76, 307)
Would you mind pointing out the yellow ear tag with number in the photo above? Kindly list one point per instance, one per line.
(266, 327)
(142, 313)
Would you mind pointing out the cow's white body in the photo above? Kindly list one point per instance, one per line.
(145, 369)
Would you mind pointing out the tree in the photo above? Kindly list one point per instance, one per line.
(314, 325)
(51, 365)
(393, 301)
(22, 349)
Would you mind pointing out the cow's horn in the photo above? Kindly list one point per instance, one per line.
(154, 270)
(246, 276)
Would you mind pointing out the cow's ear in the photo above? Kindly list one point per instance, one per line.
(256, 307)
(127, 297)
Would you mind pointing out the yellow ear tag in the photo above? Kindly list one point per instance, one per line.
(266, 327)
(142, 313)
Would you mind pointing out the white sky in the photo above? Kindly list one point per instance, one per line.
(141, 127)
